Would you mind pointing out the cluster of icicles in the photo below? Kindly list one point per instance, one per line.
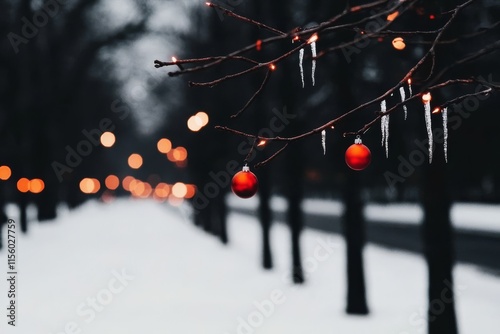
(384, 121)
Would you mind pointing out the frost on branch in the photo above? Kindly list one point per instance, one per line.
(403, 98)
(384, 124)
(301, 60)
(426, 98)
(445, 132)
(313, 51)
(323, 141)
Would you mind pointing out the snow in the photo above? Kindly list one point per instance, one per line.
(475, 217)
(178, 279)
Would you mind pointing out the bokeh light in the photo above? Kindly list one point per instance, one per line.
(180, 154)
(108, 139)
(5, 173)
(162, 190)
(90, 186)
(126, 182)
(203, 117)
(37, 186)
(164, 145)
(398, 43)
(179, 190)
(190, 191)
(112, 182)
(195, 123)
(23, 185)
(135, 161)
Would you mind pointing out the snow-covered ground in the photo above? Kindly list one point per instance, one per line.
(477, 217)
(137, 266)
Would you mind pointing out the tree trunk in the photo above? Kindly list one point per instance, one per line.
(221, 211)
(439, 251)
(23, 217)
(294, 194)
(265, 217)
(354, 234)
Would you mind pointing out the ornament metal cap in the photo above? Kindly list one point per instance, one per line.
(358, 140)
(246, 168)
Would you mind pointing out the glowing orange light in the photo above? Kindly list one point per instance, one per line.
(147, 190)
(126, 182)
(137, 188)
(436, 110)
(432, 16)
(392, 17)
(135, 161)
(409, 81)
(174, 59)
(191, 191)
(208, 4)
(258, 45)
(180, 154)
(5, 173)
(262, 143)
(296, 38)
(87, 186)
(108, 139)
(170, 156)
(23, 185)
(164, 145)
(272, 67)
(204, 117)
(312, 39)
(179, 190)
(112, 182)
(195, 123)
(427, 97)
(162, 190)
(97, 185)
(398, 43)
(37, 186)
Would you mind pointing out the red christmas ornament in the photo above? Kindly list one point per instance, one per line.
(245, 183)
(358, 156)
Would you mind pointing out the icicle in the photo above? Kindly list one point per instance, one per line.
(385, 127)
(403, 98)
(428, 123)
(445, 131)
(313, 51)
(409, 87)
(387, 136)
(301, 59)
(323, 141)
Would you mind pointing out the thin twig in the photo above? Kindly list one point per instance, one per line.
(254, 96)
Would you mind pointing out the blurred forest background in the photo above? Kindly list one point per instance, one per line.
(72, 70)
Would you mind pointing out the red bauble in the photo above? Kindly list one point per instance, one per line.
(245, 183)
(358, 156)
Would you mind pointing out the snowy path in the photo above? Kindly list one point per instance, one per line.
(185, 282)
(467, 216)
